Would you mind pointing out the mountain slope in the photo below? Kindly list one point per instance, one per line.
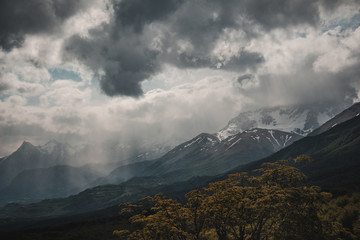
(207, 155)
(336, 155)
(36, 184)
(336, 166)
(123, 173)
(30, 157)
(345, 115)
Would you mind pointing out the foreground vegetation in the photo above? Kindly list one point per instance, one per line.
(275, 202)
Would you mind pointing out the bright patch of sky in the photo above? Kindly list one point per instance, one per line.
(58, 73)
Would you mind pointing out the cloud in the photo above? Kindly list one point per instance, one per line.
(13, 85)
(121, 64)
(142, 36)
(189, 66)
(282, 13)
(137, 13)
(244, 78)
(4, 86)
(21, 17)
(303, 85)
(16, 100)
(245, 60)
(181, 112)
(70, 120)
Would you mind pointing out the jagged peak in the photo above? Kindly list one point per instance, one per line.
(26, 144)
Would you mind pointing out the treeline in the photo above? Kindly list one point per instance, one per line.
(275, 202)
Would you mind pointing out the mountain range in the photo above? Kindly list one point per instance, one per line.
(112, 162)
(207, 155)
(30, 157)
(203, 155)
(335, 167)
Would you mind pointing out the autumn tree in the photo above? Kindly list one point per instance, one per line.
(273, 202)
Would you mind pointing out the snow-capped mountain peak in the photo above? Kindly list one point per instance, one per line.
(300, 119)
(278, 139)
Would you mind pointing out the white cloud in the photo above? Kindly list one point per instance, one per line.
(230, 43)
(178, 113)
(16, 100)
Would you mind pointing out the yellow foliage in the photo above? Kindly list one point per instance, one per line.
(276, 203)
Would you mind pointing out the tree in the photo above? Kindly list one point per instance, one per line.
(274, 202)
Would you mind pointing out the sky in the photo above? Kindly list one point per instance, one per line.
(163, 71)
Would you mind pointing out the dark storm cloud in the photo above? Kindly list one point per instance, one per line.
(245, 77)
(121, 53)
(125, 61)
(119, 50)
(21, 17)
(332, 5)
(185, 60)
(137, 13)
(282, 13)
(133, 68)
(245, 60)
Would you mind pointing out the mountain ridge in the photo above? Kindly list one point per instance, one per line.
(345, 115)
(205, 154)
(335, 152)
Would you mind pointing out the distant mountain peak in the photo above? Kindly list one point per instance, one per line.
(299, 119)
(277, 138)
(50, 146)
(26, 145)
(206, 154)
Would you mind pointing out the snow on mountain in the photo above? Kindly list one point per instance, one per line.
(300, 119)
(202, 142)
(207, 155)
(274, 138)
